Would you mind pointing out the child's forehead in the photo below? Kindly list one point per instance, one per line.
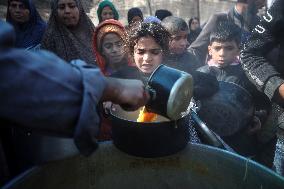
(180, 33)
(224, 43)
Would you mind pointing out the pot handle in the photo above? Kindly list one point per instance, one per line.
(151, 92)
(208, 136)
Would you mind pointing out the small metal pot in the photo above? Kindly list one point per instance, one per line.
(148, 139)
(171, 91)
(229, 110)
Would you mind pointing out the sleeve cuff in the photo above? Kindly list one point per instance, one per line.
(272, 85)
(87, 127)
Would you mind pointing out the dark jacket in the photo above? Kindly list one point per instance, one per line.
(200, 46)
(231, 73)
(235, 74)
(191, 37)
(266, 35)
(185, 62)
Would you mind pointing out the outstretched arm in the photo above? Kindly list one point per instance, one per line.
(265, 36)
(42, 92)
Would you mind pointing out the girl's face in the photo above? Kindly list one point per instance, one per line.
(19, 12)
(147, 54)
(107, 13)
(112, 48)
(68, 13)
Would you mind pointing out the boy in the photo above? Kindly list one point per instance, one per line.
(224, 49)
(179, 57)
(224, 64)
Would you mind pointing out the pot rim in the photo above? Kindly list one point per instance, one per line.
(147, 124)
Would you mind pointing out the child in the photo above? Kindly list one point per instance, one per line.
(179, 57)
(224, 64)
(224, 49)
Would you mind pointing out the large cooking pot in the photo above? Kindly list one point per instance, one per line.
(197, 167)
(148, 139)
(229, 110)
(171, 91)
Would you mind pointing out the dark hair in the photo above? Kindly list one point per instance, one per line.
(25, 2)
(135, 11)
(162, 13)
(153, 29)
(190, 21)
(174, 24)
(226, 31)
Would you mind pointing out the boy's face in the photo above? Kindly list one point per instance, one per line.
(223, 53)
(178, 43)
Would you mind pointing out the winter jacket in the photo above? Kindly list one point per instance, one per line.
(267, 35)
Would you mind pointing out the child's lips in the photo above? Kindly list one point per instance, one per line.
(146, 65)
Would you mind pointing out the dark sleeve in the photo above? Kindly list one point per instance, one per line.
(39, 91)
(264, 37)
(200, 46)
(204, 84)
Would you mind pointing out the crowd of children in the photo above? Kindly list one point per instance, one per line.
(210, 54)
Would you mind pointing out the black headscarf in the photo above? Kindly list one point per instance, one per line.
(28, 34)
(134, 12)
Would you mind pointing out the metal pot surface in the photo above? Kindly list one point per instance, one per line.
(229, 110)
(197, 167)
(171, 91)
(148, 139)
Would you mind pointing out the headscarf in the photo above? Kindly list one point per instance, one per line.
(107, 26)
(135, 11)
(162, 13)
(28, 34)
(150, 19)
(104, 4)
(70, 44)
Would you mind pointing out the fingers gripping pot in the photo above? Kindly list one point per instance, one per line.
(171, 91)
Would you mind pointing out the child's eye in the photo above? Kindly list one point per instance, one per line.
(108, 46)
(141, 52)
(155, 51)
(177, 38)
(119, 44)
(217, 48)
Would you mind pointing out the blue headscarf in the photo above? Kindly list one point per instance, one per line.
(151, 19)
(28, 34)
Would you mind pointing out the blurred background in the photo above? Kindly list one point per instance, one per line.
(181, 8)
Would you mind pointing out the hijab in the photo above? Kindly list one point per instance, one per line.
(70, 44)
(104, 4)
(107, 26)
(135, 11)
(28, 34)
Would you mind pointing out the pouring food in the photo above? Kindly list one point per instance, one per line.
(171, 91)
(148, 139)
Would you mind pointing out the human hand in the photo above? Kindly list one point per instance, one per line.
(281, 91)
(107, 106)
(126, 92)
